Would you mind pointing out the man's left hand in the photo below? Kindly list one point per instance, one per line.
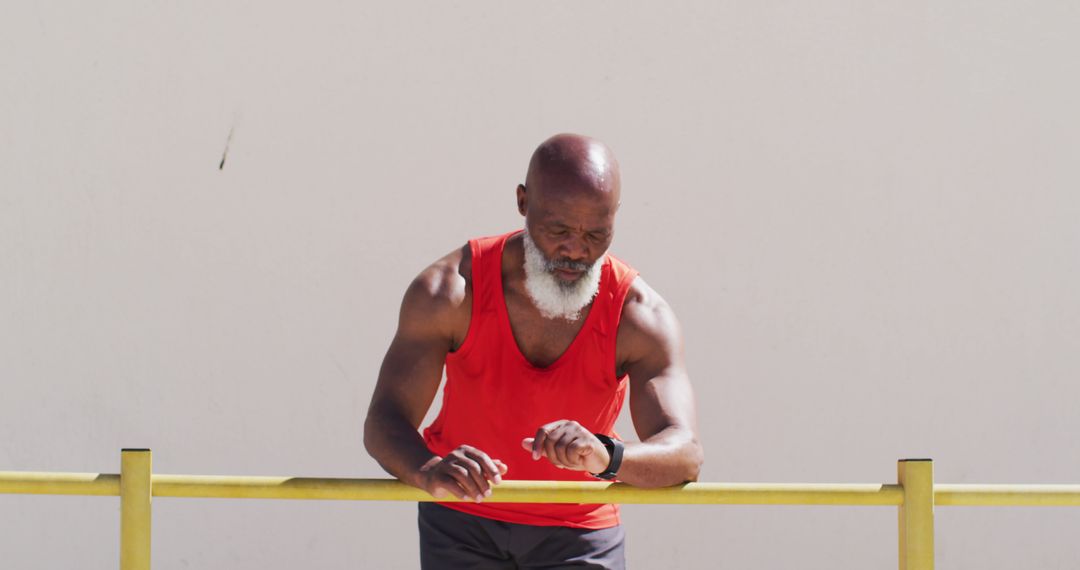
(568, 445)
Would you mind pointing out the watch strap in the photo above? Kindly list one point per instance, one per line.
(615, 451)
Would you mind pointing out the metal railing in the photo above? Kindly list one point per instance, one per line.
(914, 494)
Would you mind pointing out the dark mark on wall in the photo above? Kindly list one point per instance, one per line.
(225, 154)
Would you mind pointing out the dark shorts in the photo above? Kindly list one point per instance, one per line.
(452, 539)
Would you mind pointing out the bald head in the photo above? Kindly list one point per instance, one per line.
(569, 164)
(570, 197)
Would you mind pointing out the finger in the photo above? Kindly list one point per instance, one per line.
(464, 478)
(571, 448)
(568, 449)
(551, 450)
(502, 467)
(539, 442)
(562, 448)
(447, 484)
(542, 434)
(527, 443)
(476, 473)
(459, 476)
(491, 471)
(581, 449)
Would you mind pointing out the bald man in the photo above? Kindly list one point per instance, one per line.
(541, 332)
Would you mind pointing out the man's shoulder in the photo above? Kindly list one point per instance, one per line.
(646, 315)
(444, 284)
(642, 299)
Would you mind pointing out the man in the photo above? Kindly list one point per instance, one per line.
(540, 332)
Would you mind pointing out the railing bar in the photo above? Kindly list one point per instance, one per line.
(108, 484)
(532, 491)
(41, 483)
(1007, 495)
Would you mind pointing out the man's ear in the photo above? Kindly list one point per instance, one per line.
(521, 201)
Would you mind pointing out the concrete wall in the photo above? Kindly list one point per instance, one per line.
(865, 214)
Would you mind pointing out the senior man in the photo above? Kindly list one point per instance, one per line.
(541, 333)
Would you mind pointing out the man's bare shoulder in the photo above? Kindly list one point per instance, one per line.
(439, 297)
(445, 283)
(647, 323)
(644, 304)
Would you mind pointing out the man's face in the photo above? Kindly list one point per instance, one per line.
(571, 230)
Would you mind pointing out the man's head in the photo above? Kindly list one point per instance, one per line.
(569, 200)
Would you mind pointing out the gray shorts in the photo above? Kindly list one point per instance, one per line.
(451, 540)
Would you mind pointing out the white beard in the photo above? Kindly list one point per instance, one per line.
(554, 297)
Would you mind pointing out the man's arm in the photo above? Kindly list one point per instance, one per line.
(661, 403)
(661, 398)
(429, 326)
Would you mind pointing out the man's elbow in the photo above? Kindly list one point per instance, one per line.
(695, 457)
(371, 434)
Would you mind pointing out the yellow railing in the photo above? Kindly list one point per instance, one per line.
(914, 495)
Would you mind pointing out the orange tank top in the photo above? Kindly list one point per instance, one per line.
(494, 397)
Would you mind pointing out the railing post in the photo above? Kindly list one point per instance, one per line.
(916, 476)
(135, 470)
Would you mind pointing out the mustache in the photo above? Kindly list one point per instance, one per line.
(565, 264)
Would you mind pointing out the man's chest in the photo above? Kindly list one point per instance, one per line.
(541, 341)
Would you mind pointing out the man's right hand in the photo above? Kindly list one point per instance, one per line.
(466, 473)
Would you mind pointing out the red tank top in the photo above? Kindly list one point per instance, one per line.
(494, 397)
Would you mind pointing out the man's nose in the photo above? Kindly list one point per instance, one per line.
(574, 249)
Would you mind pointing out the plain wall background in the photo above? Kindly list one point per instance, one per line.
(864, 213)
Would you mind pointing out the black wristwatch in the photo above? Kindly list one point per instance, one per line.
(615, 451)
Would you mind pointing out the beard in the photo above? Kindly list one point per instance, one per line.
(557, 298)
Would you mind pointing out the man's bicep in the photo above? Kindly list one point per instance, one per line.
(412, 368)
(408, 379)
(661, 396)
(662, 402)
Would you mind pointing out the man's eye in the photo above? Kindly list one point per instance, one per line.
(558, 233)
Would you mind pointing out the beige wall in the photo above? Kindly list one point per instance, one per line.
(865, 214)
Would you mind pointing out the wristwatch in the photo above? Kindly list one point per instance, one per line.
(615, 451)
